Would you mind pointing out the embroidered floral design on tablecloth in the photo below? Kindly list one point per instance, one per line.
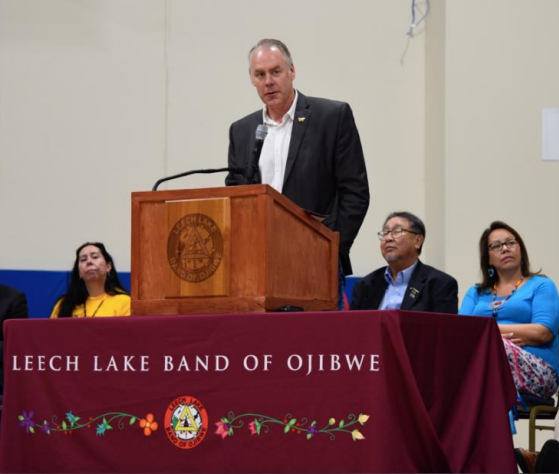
(71, 423)
(260, 424)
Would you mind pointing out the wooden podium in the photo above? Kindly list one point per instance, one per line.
(230, 249)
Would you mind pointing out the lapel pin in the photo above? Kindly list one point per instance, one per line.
(414, 292)
(301, 119)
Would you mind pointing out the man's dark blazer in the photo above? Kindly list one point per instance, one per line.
(13, 305)
(325, 170)
(428, 290)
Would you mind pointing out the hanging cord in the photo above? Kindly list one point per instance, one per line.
(413, 24)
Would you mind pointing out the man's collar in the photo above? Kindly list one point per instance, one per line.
(291, 112)
(406, 274)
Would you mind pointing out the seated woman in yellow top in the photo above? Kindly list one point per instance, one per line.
(95, 289)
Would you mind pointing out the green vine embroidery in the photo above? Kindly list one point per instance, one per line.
(260, 424)
(71, 423)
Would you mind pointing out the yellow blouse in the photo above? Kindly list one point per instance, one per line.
(99, 307)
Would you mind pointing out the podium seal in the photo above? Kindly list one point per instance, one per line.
(195, 248)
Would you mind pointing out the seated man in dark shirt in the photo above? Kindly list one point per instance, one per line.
(405, 283)
(13, 305)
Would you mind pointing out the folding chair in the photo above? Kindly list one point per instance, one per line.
(538, 409)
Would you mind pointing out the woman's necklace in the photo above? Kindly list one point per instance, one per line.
(95, 312)
(495, 305)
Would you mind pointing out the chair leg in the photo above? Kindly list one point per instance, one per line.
(532, 431)
(534, 412)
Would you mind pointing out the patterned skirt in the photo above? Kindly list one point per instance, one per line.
(531, 374)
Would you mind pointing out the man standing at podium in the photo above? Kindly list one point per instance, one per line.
(312, 151)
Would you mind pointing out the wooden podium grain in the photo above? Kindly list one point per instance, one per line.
(269, 253)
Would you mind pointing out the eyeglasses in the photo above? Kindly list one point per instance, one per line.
(395, 233)
(497, 246)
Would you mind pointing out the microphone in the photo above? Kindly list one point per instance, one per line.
(252, 167)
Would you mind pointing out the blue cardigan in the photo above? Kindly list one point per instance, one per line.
(536, 301)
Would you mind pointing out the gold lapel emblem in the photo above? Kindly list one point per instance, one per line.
(301, 119)
(413, 292)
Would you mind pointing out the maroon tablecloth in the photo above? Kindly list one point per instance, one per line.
(387, 391)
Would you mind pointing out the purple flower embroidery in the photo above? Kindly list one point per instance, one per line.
(26, 421)
(46, 427)
(313, 430)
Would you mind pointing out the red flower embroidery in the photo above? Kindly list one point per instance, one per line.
(222, 429)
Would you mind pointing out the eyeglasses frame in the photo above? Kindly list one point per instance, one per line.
(506, 244)
(382, 234)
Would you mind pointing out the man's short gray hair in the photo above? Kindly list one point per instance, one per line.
(416, 223)
(270, 43)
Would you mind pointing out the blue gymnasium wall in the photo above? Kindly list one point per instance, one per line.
(43, 288)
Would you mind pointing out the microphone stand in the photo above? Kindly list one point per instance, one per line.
(188, 173)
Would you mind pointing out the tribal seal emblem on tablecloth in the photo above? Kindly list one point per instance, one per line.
(186, 422)
(195, 248)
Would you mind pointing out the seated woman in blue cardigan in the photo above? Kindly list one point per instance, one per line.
(524, 304)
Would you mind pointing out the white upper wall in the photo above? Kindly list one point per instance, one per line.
(501, 71)
(81, 124)
(99, 98)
